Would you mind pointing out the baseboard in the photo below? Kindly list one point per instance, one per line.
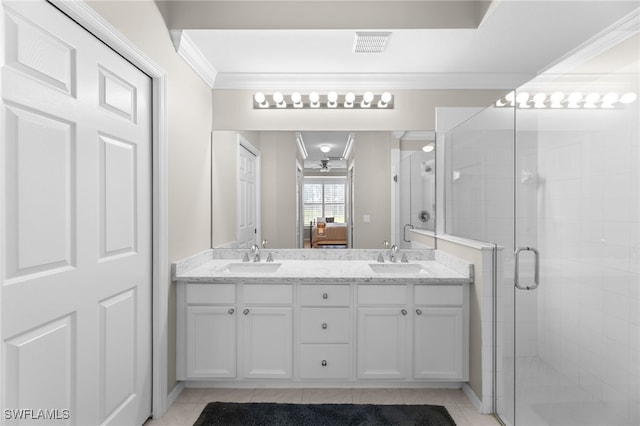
(174, 394)
(302, 384)
(474, 399)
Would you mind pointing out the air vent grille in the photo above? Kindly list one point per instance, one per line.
(370, 42)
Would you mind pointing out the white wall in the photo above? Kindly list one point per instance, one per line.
(279, 153)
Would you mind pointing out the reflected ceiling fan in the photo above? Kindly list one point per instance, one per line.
(324, 166)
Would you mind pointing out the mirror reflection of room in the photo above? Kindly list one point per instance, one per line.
(325, 203)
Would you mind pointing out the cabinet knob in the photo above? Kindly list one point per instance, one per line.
(418, 311)
(324, 325)
(404, 312)
(325, 295)
(246, 312)
(324, 363)
(231, 311)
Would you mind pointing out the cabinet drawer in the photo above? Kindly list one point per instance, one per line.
(211, 294)
(382, 294)
(266, 294)
(324, 295)
(435, 295)
(324, 361)
(324, 325)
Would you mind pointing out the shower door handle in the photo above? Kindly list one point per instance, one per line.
(404, 236)
(536, 272)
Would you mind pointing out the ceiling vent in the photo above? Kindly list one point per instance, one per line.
(370, 42)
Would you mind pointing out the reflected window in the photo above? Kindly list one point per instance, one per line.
(324, 198)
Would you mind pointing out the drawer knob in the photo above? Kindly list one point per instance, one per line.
(246, 312)
(324, 363)
(418, 311)
(324, 325)
(231, 311)
(404, 312)
(325, 296)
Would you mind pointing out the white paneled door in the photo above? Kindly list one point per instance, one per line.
(76, 225)
(247, 197)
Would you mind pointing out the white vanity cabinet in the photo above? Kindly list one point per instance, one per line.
(440, 333)
(311, 333)
(324, 332)
(208, 331)
(267, 331)
(383, 322)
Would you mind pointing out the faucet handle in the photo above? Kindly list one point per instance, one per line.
(380, 259)
(264, 243)
(245, 258)
(404, 258)
(385, 243)
(270, 257)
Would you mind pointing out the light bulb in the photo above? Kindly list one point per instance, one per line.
(538, 100)
(349, 98)
(314, 99)
(522, 98)
(556, 99)
(385, 98)
(573, 99)
(278, 98)
(332, 99)
(325, 148)
(428, 147)
(261, 100)
(609, 99)
(296, 98)
(366, 100)
(627, 98)
(511, 96)
(591, 99)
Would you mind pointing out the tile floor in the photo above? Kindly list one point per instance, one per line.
(187, 408)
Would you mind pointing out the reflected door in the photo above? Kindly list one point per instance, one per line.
(247, 202)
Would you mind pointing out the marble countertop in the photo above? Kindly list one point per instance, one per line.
(323, 271)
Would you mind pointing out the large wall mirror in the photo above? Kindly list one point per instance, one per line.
(323, 189)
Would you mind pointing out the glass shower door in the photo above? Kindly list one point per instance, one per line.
(577, 203)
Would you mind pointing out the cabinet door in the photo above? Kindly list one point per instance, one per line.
(438, 343)
(267, 342)
(382, 343)
(211, 342)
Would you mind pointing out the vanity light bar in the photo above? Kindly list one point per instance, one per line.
(330, 100)
(560, 100)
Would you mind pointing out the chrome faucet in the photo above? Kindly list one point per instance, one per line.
(393, 252)
(255, 252)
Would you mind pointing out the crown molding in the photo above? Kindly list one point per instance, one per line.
(355, 81)
(596, 45)
(187, 49)
(418, 135)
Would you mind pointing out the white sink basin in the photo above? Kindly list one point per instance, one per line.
(395, 268)
(251, 267)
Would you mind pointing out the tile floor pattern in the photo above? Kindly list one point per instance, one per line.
(191, 402)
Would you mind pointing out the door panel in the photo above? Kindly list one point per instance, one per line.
(247, 182)
(39, 204)
(117, 196)
(76, 288)
(36, 381)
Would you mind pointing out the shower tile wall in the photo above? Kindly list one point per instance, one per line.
(589, 240)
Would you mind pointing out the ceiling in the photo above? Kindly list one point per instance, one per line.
(337, 141)
(477, 44)
(287, 45)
